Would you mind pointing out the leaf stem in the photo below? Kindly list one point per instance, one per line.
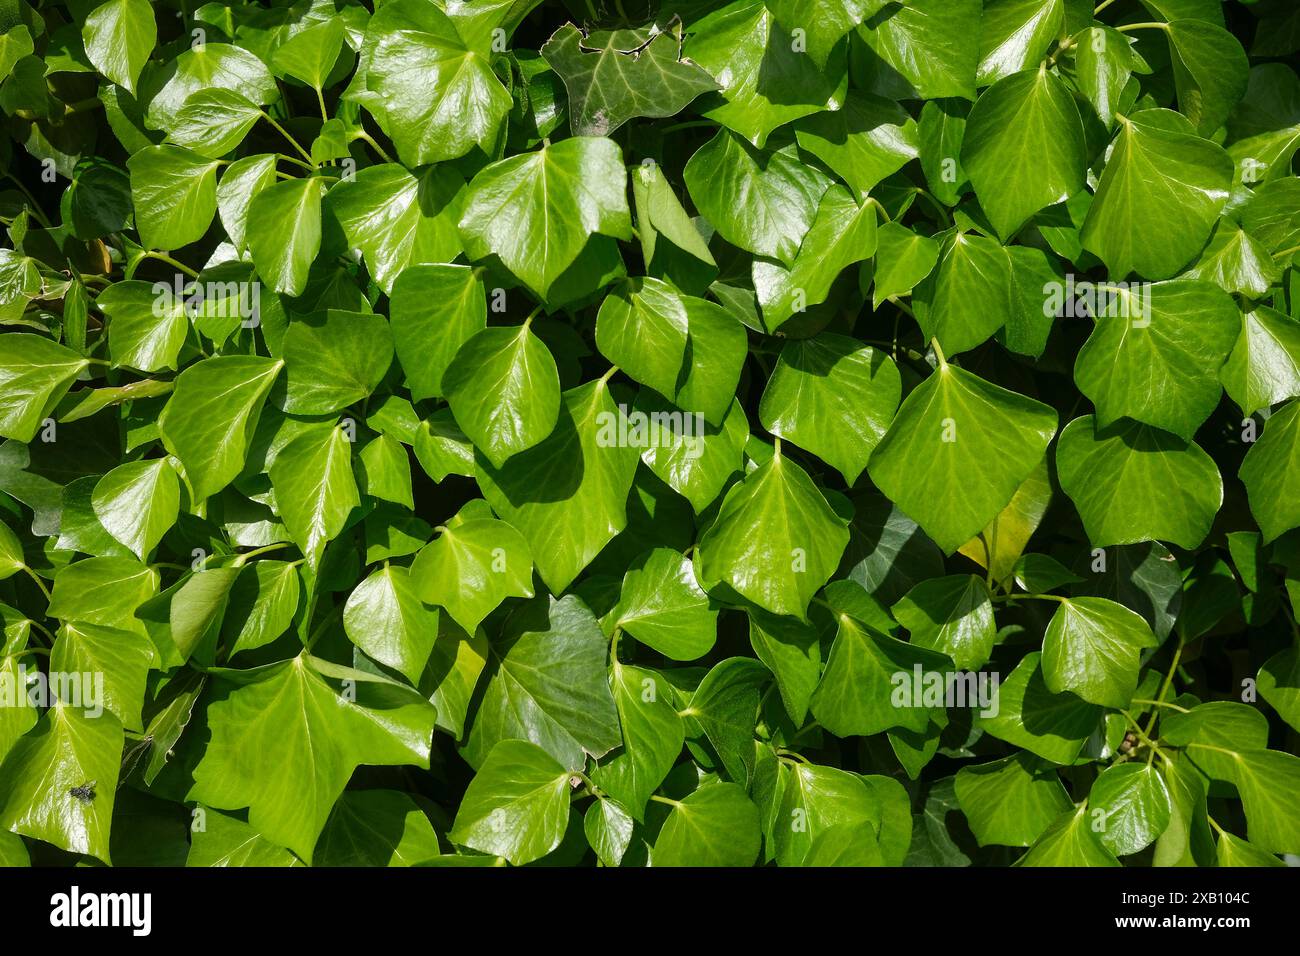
(292, 142)
(164, 257)
(689, 124)
(1161, 703)
(241, 559)
(1130, 27)
(1102, 6)
(668, 800)
(938, 352)
(39, 583)
(370, 140)
(1169, 679)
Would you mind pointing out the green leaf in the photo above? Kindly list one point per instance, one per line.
(903, 259)
(119, 36)
(956, 452)
(1105, 60)
(35, 373)
(1135, 806)
(653, 734)
(1264, 129)
(227, 841)
(504, 390)
(842, 233)
(766, 82)
(213, 122)
(776, 540)
(1016, 34)
(263, 601)
(1010, 802)
(309, 55)
(1069, 841)
(1264, 366)
(868, 685)
(565, 192)
(725, 706)
(137, 503)
(397, 219)
(923, 49)
(1269, 473)
(818, 800)
(210, 418)
(969, 296)
(1159, 172)
(307, 739)
(1279, 684)
(608, 86)
(174, 192)
(1053, 726)
(315, 489)
(102, 591)
(242, 180)
(834, 397)
(862, 142)
(385, 617)
(547, 682)
(687, 349)
(434, 310)
(517, 805)
(432, 93)
(662, 605)
(471, 567)
(717, 825)
(284, 232)
(1092, 649)
(69, 749)
(147, 324)
(1236, 262)
(1133, 483)
(123, 658)
(333, 359)
(764, 202)
(952, 615)
(567, 496)
(1155, 354)
(209, 66)
(1024, 147)
(1210, 71)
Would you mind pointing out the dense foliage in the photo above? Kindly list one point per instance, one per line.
(797, 431)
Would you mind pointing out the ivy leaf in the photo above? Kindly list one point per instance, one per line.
(952, 615)
(1069, 841)
(956, 452)
(725, 706)
(925, 49)
(688, 349)
(315, 489)
(102, 591)
(210, 418)
(284, 232)
(1024, 147)
(517, 805)
(1105, 59)
(864, 141)
(608, 86)
(1016, 34)
(263, 601)
(1235, 261)
(433, 311)
(834, 397)
(968, 297)
(385, 617)
(1136, 806)
(68, 749)
(1264, 366)
(1264, 128)
(1210, 71)
(566, 529)
(203, 66)
(123, 658)
(174, 192)
(146, 331)
(1154, 355)
(653, 734)
(471, 567)
(504, 390)
(1159, 171)
(308, 739)
(566, 192)
(35, 373)
(119, 36)
(817, 800)
(765, 81)
(764, 202)
(434, 95)
(662, 606)
(1053, 726)
(334, 358)
(397, 219)
(1268, 473)
(137, 503)
(309, 55)
(213, 122)
(842, 233)
(1092, 649)
(1010, 802)
(547, 682)
(242, 180)
(903, 260)
(1133, 483)
(776, 540)
(717, 825)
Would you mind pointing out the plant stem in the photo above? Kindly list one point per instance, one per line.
(164, 257)
(370, 140)
(248, 555)
(285, 133)
(1169, 679)
(39, 583)
(1130, 27)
